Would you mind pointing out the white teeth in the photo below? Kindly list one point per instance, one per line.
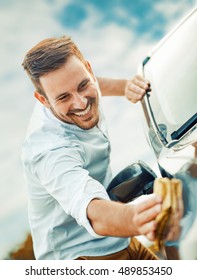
(83, 113)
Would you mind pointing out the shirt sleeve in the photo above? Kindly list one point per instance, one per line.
(62, 174)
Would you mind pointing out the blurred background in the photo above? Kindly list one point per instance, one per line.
(115, 36)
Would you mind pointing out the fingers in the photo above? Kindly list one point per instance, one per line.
(136, 88)
(140, 82)
(150, 235)
(146, 219)
(149, 202)
(145, 214)
(149, 215)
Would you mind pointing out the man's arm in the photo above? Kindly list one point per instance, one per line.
(111, 218)
(134, 89)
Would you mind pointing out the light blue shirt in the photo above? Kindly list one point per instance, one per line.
(66, 167)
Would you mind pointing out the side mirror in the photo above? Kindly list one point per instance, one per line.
(135, 180)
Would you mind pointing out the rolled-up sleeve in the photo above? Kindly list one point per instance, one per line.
(61, 172)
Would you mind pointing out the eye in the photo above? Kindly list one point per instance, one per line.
(84, 84)
(63, 98)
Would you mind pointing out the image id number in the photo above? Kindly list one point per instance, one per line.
(146, 270)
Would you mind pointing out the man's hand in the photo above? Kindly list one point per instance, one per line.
(146, 208)
(136, 88)
(110, 218)
(172, 209)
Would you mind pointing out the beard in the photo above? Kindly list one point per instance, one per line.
(84, 122)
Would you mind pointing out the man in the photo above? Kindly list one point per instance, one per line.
(66, 161)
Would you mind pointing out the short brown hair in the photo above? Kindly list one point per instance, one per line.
(47, 56)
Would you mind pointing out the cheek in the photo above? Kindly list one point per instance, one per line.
(61, 109)
(63, 106)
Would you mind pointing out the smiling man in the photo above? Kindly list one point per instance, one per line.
(74, 101)
(66, 161)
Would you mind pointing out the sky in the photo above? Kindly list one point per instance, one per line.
(115, 36)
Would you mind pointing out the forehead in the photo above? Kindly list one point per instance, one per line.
(66, 77)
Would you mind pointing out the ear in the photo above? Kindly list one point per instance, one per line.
(42, 99)
(90, 69)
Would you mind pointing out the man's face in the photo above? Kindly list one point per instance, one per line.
(71, 94)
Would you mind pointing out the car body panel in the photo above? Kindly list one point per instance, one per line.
(170, 114)
(171, 109)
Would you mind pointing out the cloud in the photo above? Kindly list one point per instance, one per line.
(113, 48)
(173, 11)
(114, 41)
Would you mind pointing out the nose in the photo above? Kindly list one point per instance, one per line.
(79, 102)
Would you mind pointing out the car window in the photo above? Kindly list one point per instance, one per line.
(172, 71)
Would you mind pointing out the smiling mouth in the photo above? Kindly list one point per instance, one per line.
(84, 112)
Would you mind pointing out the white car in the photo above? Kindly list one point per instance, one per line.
(170, 119)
